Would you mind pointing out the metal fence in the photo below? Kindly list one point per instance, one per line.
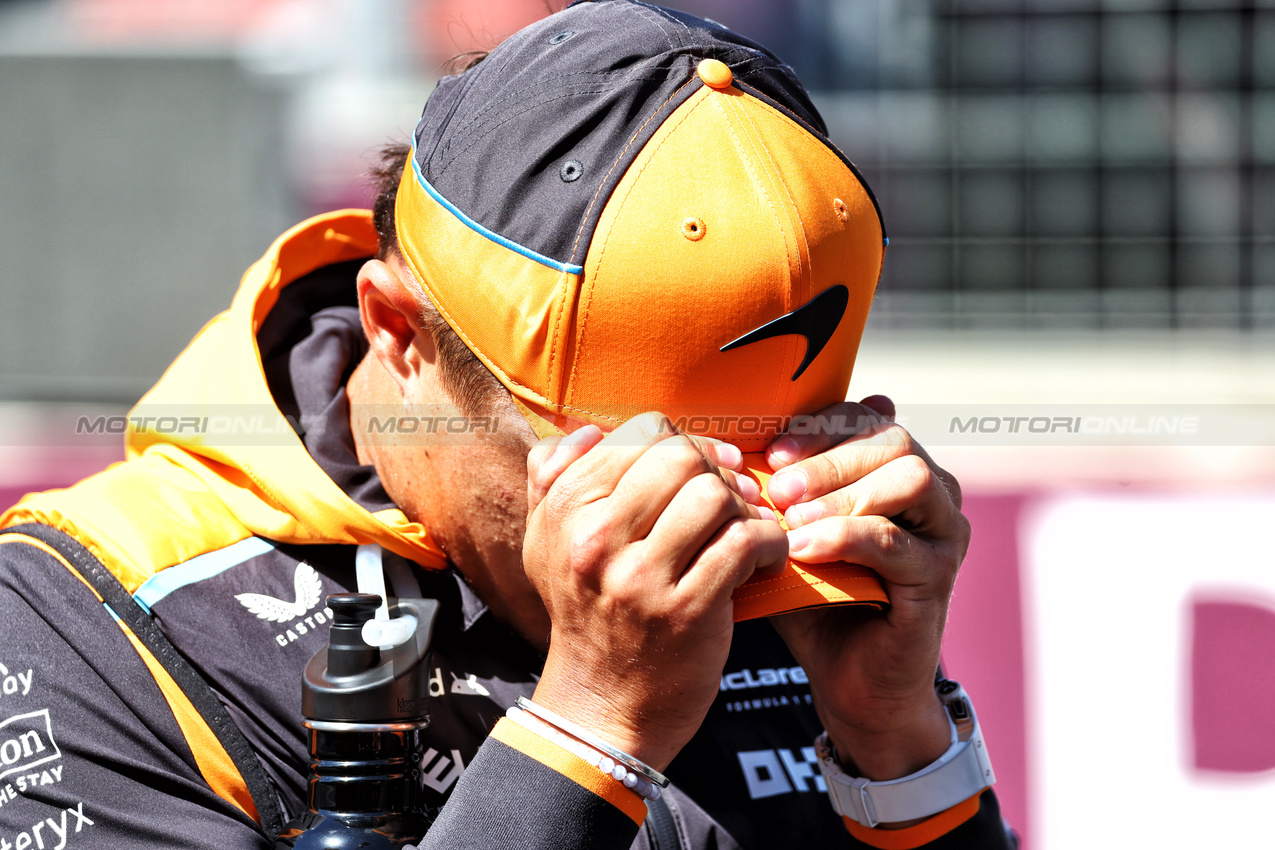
(1064, 163)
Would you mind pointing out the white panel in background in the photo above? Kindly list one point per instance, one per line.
(1106, 584)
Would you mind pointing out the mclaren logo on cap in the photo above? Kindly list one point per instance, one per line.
(816, 320)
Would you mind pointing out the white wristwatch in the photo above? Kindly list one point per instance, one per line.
(957, 775)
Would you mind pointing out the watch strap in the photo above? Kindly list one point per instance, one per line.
(961, 772)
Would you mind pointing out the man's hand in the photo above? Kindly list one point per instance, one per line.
(873, 498)
(635, 543)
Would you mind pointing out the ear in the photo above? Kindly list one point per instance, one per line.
(391, 317)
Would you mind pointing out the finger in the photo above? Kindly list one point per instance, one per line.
(748, 489)
(734, 554)
(722, 454)
(654, 480)
(695, 514)
(548, 458)
(729, 460)
(882, 404)
(809, 435)
(906, 490)
(895, 554)
(594, 475)
(841, 465)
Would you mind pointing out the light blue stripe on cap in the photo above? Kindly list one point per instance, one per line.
(178, 576)
(482, 231)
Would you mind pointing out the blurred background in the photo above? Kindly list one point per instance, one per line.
(1080, 196)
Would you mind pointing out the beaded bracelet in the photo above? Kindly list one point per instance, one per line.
(620, 766)
(637, 784)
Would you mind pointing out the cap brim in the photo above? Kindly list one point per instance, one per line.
(798, 586)
(802, 585)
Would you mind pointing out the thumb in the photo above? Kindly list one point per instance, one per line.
(551, 456)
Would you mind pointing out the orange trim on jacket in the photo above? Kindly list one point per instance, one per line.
(922, 833)
(571, 766)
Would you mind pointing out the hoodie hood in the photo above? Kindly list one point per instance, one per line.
(211, 457)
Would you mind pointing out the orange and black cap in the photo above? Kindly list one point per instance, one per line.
(626, 208)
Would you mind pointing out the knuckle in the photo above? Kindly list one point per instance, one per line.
(736, 534)
(890, 539)
(962, 536)
(629, 592)
(914, 474)
(897, 437)
(652, 424)
(588, 548)
(716, 497)
(830, 470)
(952, 486)
(682, 451)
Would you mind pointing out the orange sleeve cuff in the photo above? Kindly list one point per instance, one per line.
(922, 833)
(571, 766)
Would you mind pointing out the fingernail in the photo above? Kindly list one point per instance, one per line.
(555, 450)
(798, 540)
(788, 486)
(802, 514)
(575, 438)
(748, 489)
(728, 456)
(784, 450)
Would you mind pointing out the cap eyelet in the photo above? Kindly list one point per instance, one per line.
(571, 171)
(694, 228)
(839, 207)
(558, 38)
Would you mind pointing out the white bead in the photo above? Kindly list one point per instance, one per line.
(655, 792)
(605, 764)
(617, 773)
(630, 780)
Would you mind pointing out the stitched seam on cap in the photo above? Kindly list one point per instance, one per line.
(778, 224)
(463, 132)
(469, 343)
(474, 138)
(644, 10)
(500, 373)
(615, 163)
(792, 116)
(795, 584)
(790, 386)
(584, 318)
(588, 280)
(854, 169)
(553, 343)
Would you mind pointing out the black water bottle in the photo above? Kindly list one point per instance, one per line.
(365, 710)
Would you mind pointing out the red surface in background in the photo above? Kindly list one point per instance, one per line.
(447, 28)
(983, 645)
(1233, 685)
(113, 20)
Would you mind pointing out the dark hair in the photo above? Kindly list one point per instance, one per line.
(467, 380)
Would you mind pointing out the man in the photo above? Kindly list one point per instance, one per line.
(623, 227)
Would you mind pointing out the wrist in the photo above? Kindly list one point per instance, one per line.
(608, 716)
(898, 747)
(956, 777)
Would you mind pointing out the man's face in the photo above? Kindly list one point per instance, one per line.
(470, 488)
(473, 498)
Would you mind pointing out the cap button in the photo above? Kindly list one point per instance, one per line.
(715, 73)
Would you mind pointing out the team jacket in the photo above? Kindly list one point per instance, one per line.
(155, 620)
